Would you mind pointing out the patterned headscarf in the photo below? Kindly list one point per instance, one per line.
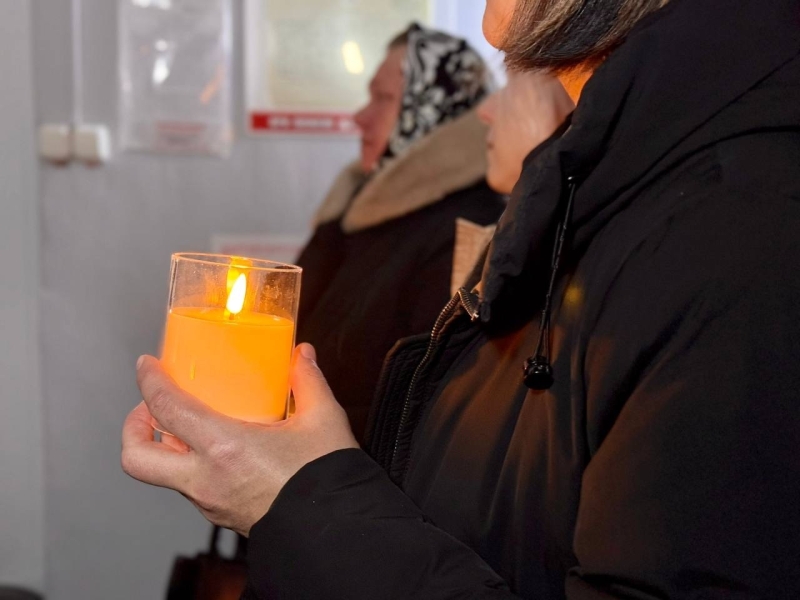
(445, 77)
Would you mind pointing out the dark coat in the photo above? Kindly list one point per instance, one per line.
(663, 463)
(382, 270)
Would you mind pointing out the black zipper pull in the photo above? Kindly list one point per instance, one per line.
(470, 301)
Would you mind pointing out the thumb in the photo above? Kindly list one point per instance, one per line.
(308, 383)
(182, 414)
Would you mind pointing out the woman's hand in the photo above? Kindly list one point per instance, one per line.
(230, 470)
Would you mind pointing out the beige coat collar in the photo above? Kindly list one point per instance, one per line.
(451, 158)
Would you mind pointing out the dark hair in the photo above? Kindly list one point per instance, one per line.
(560, 35)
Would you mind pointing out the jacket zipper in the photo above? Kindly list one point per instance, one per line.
(463, 299)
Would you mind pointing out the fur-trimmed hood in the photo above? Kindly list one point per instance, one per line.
(450, 159)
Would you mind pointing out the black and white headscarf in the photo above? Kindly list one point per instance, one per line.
(445, 77)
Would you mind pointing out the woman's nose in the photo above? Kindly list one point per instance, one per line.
(362, 118)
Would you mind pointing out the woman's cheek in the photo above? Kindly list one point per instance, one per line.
(497, 19)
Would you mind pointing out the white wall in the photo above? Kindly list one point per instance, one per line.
(21, 474)
(107, 235)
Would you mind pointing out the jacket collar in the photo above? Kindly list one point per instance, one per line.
(450, 159)
(667, 92)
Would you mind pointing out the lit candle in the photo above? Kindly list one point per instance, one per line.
(234, 359)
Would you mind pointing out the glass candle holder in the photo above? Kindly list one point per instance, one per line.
(230, 333)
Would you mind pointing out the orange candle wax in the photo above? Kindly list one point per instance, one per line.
(236, 363)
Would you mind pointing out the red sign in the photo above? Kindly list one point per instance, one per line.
(303, 122)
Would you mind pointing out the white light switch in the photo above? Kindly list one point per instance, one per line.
(55, 142)
(92, 143)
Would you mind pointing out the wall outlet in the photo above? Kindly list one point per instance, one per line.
(92, 144)
(55, 142)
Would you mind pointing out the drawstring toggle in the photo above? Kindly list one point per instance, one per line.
(538, 373)
(538, 370)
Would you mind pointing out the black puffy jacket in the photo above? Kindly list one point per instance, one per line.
(663, 462)
(379, 268)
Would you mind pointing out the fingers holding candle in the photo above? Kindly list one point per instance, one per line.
(222, 387)
(175, 443)
(232, 470)
(137, 428)
(307, 381)
(186, 417)
(317, 407)
(149, 461)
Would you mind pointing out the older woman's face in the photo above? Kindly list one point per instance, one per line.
(378, 118)
(496, 20)
(520, 117)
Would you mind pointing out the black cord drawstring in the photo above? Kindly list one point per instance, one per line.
(537, 370)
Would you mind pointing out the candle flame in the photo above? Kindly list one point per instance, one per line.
(237, 295)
